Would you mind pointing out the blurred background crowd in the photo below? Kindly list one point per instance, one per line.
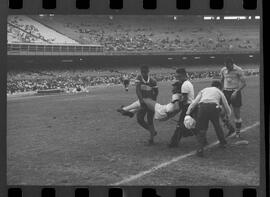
(80, 80)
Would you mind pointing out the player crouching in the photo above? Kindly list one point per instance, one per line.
(208, 101)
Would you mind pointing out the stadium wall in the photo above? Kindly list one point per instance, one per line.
(73, 62)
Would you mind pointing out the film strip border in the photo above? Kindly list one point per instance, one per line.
(130, 192)
(147, 4)
(252, 7)
(136, 6)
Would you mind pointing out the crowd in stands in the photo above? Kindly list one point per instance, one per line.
(74, 82)
(24, 33)
(27, 30)
(116, 37)
(141, 34)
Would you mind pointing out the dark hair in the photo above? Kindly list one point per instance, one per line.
(144, 67)
(181, 71)
(229, 61)
(217, 84)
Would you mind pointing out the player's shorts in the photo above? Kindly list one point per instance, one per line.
(160, 111)
(237, 102)
(126, 82)
(206, 112)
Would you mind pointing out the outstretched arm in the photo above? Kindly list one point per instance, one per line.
(243, 83)
(194, 103)
(225, 104)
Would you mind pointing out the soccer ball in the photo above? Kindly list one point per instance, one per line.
(189, 122)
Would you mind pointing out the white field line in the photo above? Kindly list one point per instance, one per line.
(165, 164)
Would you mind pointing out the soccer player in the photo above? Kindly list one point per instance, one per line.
(161, 112)
(125, 81)
(209, 100)
(187, 96)
(146, 87)
(232, 77)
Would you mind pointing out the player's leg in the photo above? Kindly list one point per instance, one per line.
(214, 118)
(150, 121)
(180, 127)
(126, 85)
(236, 105)
(150, 104)
(202, 127)
(135, 106)
(129, 110)
(140, 118)
(226, 122)
(238, 120)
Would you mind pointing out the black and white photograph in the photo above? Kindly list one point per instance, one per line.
(159, 100)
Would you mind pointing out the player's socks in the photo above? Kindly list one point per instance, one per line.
(238, 125)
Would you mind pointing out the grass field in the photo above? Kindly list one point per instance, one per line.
(81, 140)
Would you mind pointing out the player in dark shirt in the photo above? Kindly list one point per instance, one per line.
(126, 81)
(146, 87)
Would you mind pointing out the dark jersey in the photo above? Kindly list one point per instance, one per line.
(147, 87)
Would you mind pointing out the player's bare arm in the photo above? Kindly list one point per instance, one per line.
(243, 83)
(194, 103)
(241, 86)
(225, 104)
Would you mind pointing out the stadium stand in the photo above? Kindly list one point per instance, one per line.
(31, 31)
(152, 33)
(135, 33)
(22, 81)
(119, 34)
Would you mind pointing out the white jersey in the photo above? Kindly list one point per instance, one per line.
(188, 88)
(213, 95)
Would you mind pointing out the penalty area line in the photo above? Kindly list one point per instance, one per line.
(175, 159)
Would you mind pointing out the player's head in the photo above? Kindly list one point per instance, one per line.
(181, 74)
(217, 84)
(144, 71)
(229, 63)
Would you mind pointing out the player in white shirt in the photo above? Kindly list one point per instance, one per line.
(232, 77)
(162, 112)
(209, 101)
(187, 96)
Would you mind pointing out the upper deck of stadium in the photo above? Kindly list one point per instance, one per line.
(135, 34)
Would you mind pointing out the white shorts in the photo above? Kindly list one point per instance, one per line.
(160, 111)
